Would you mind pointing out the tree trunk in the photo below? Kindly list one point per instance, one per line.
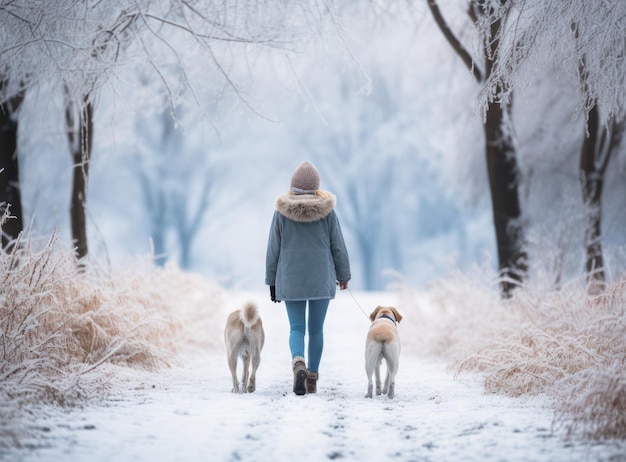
(503, 174)
(79, 120)
(599, 144)
(188, 222)
(158, 224)
(500, 152)
(503, 183)
(10, 193)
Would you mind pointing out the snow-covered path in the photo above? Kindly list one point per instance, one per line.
(189, 414)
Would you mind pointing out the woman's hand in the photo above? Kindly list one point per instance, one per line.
(343, 285)
(273, 294)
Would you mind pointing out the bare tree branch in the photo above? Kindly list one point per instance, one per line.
(454, 42)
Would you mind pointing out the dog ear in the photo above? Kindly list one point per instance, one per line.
(375, 312)
(396, 314)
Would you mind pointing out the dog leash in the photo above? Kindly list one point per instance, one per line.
(357, 303)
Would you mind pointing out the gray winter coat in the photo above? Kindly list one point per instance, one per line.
(306, 253)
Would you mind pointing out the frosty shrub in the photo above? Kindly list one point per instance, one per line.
(566, 344)
(64, 333)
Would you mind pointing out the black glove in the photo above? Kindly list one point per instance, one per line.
(273, 294)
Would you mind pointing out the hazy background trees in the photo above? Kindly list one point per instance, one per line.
(177, 178)
(79, 46)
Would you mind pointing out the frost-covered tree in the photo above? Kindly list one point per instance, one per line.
(565, 33)
(500, 149)
(601, 142)
(63, 43)
(78, 46)
(586, 42)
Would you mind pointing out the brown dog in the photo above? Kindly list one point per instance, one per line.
(383, 342)
(244, 336)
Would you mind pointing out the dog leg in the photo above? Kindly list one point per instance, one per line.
(390, 384)
(369, 370)
(377, 372)
(256, 360)
(386, 382)
(245, 356)
(392, 359)
(371, 357)
(232, 365)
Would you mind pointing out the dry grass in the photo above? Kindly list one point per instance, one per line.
(566, 344)
(58, 327)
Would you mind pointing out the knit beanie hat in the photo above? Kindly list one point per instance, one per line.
(306, 179)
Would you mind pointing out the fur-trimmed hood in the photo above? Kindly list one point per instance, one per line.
(306, 207)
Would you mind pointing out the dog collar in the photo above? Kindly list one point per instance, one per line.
(388, 317)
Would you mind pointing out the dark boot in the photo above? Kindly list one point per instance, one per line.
(311, 381)
(299, 375)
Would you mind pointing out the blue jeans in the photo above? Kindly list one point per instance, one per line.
(296, 312)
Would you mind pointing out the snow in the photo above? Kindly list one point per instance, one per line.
(188, 413)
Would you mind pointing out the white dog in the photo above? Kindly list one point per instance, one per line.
(244, 336)
(383, 341)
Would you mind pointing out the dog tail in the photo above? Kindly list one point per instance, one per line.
(249, 314)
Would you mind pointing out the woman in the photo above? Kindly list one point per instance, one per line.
(306, 258)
